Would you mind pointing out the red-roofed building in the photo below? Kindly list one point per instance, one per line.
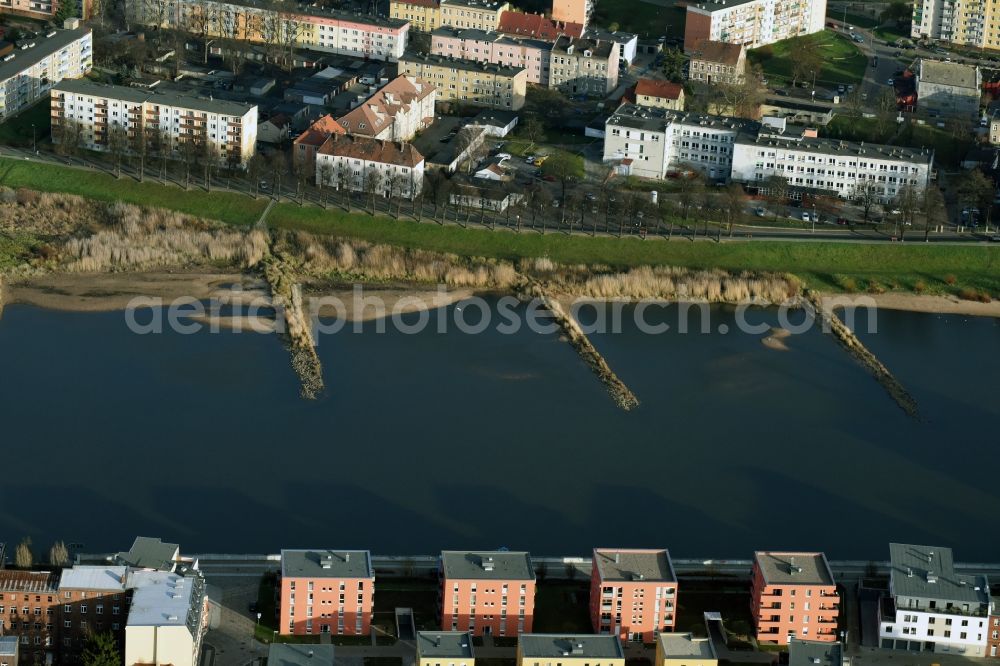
(396, 112)
(662, 94)
(537, 26)
(361, 164)
(304, 148)
(717, 62)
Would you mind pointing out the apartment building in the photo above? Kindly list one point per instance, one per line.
(530, 54)
(949, 88)
(572, 11)
(684, 650)
(27, 74)
(29, 610)
(467, 81)
(396, 112)
(573, 650)
(628, 43)
(8, 651)
(993, 634)
(650, 142)
(304, 147)
(536, 26)
(326, 591)
(793, 596)
(424, 15)
(487, 592)
(717, 62)
(828, 166)
(445, 648)
(816, 653)
(584, 66)
(973, 23)
(306, 27)
(44, 10)
(752, 23)
(153, 553)
(476, 14)
(167, 618)
(94, 599)
(930, 607)
(301, 654)
(225, 130)
(633, 593)
(660, 94)
(389, 168)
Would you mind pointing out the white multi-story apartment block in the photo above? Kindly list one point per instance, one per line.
(831, 166)
(227, 130)
(360, 164)
(167, 618)
(396, 112)
(649, 142)
(930, 607)
(301, 26)
(27, 74)
(530, 54)
(752, 23)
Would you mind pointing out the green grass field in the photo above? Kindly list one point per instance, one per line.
(824, 265)
(843, 62)
(644, 19)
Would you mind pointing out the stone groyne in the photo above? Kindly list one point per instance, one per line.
(286, 296)
(849, 341)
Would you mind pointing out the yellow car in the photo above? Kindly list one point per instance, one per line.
(539, 161)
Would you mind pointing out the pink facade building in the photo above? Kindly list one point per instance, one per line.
(794, 596)
(487, 593)
(633, 593)
(469, 44)
(326, 592)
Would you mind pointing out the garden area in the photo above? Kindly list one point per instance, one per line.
(839, 59)
(33, 123)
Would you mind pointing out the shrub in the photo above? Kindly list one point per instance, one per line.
(950, 279)
(875, 287)
(848, 284)
(27, 197)
(970, 294)
(919, 287)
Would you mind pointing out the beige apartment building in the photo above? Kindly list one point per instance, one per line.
(752, 23)
(974, 23)
(467, 81)
(39, 9)
(477, 14)
(684, 650)
(482, 46)
(94, 111)
(566, 650)
(717, 62)
(422, 15)
(445, 648)
(584, 66)
(27, 74)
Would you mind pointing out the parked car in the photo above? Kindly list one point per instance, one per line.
(806, 217)
(760, 212)
(841, 88)
(590, 196)
(783, 93)
(995, 239)
(890, 82)
(530, 159)
(503, 156)
(540, 160)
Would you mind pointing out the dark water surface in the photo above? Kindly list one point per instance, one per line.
(434, 441)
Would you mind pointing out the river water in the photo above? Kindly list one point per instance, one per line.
(431, 441)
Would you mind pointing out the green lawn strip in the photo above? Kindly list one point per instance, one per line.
(224, 206)
(843, 62)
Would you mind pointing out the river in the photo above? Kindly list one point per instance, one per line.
(432, 441)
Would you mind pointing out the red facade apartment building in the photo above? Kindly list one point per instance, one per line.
(326, 592)
(993, 631)
(633, 593)
(794, 596)
(29, 609)
(94, 599)
(487, 593)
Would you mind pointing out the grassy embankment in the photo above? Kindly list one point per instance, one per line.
(843, 62)
(835, 266)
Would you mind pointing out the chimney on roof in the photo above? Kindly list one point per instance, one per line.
(931, 577)
(488, 563)
(617, 557)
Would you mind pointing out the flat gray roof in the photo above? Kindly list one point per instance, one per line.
(562, 645)
(476, 35)
(928, 572)
(448, 644)
(487, 565)
(460, 63)
(813, 653)
(719, 5)
(825, 146)
(319, 563)
(949, 74)
(677, 646)
(794, 568)
(635, 564)
(162, 599)
(44, 47)
(162, 97)
(150, 553)
(84, 577)
(656, 119)
(293, 654)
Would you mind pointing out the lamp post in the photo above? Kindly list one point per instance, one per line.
(34, 139)
(813, 218)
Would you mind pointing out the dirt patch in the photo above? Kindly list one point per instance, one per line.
(776, 340)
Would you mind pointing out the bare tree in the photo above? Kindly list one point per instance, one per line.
(198, 23)
(23, 557)
(255, 167)
(325, 175)
(279, 166)
(885, 111)
(163, 146)
(776, 190)
(690, 187)
(343, 179)
(140, 148)
(300, 170)
(118, 145)
(397, 190)
(289, 39)
(865, 193)
(373, 184)
(907, 201)
(188, 150)
(66, 134)
(741, 98)
(933, 208)
(734, 202)
(58, 554)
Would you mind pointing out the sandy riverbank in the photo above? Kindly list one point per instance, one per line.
(929, 304)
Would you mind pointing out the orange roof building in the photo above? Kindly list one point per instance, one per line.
(537, 26)
(363, 164)
(396, 112)
(661, 94)
(304, 147)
